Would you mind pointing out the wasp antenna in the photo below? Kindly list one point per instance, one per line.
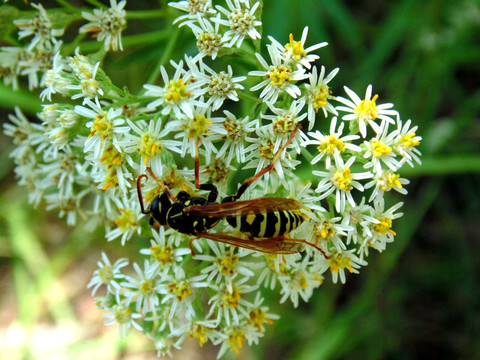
(139, 192)
(318, 248)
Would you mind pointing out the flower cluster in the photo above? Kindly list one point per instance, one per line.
(84, 158)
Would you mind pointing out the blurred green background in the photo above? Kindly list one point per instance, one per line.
(419, 299)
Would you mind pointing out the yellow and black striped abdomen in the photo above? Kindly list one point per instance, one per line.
(267, 225)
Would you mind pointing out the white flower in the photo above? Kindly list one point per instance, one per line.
(88, 88)
(295, 53)
(123, 316)
(143, 288)
(328, 145)
(194, 8)
(107, 25)
(341, 180)
(40, 27)
(127, 221)
(338, 262)
(107, 274)
(54, 79)
(209, 41)
(366, 111)
(386, 181)
(241, 21)
(405, 143)
(279, 77)
(318, 94)
(178, 95)
(237, 131)
(379, 150)
(221, 86)
(150, 141)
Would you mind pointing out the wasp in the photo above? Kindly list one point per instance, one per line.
(264, 222)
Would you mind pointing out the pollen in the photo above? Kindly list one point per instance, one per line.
(284, 124)
(180, 290)
(367, 109)
(209, 42)
(127, 220)
(176, 91)
(236, 338)
(122, 314)
(266, 149)
(319, 96)
(111, 180)
(200, 333)
(388, 181)
(220, 84)
(379, 148)
(112, 157)
(296, 48)
(147, 287)
(329, 144)
(227, 264)
(340, 261)
(197, 126)
(407, 141)
(342, 179)
(101, 125)
(258, 317)
(163, 254)
(90, 86)
(384, 226)
(230, 299)
(149, 147)
(279, 75)
(324, 230)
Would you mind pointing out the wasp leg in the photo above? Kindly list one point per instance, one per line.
(270, 167)
(166, 190)
(212, 196)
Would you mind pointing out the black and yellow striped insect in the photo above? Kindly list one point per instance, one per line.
(264, 222)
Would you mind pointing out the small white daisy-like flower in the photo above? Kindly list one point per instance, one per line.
(178, 95)
(381, 230)
(379, 151)
(327, 230)
(237, 131)
(108, 275)
(123, 316)
(225, 264)
(9, 64)
(338, 262)
(385, 181)
(40, 27)
(221, 86)
(319, 94)
(258, 315)
(328, 145)
(358, 219)
(127, 220)
(54, 79)
(201, 128)
(341, 180)
(295, 53)
(405, 143)
(88, 88)
(229, 305)
(284, 122)
(105, 125)
(194, 8)
(366, 112)
(143, 288)
(107, 25)
(241, 21)
(163, 250)
(274, 267)
(300, 283)
(202, 330)
(209, 40)
(178, 292)
(150, 141)
(279, 77)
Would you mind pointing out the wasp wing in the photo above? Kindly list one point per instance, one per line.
(244, 207)
(279, 245)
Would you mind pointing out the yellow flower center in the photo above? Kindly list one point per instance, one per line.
(230, 299)
(101, 125)
(106, 274)
(258, 317)
(147, 287)
(163, 254)
(407, 142)
(329, 144)
(228, 263)
(384, 226)
(324, 230)
(180, 290)
(298, 52)
(199, 332)
(340, 261)
(197, 126)
(367, 109)
(379, 148)
(176, 91)
(149, 147)
(236, 338)
(389, 181)
(127, 220)
(342, 179)
(279, 75)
